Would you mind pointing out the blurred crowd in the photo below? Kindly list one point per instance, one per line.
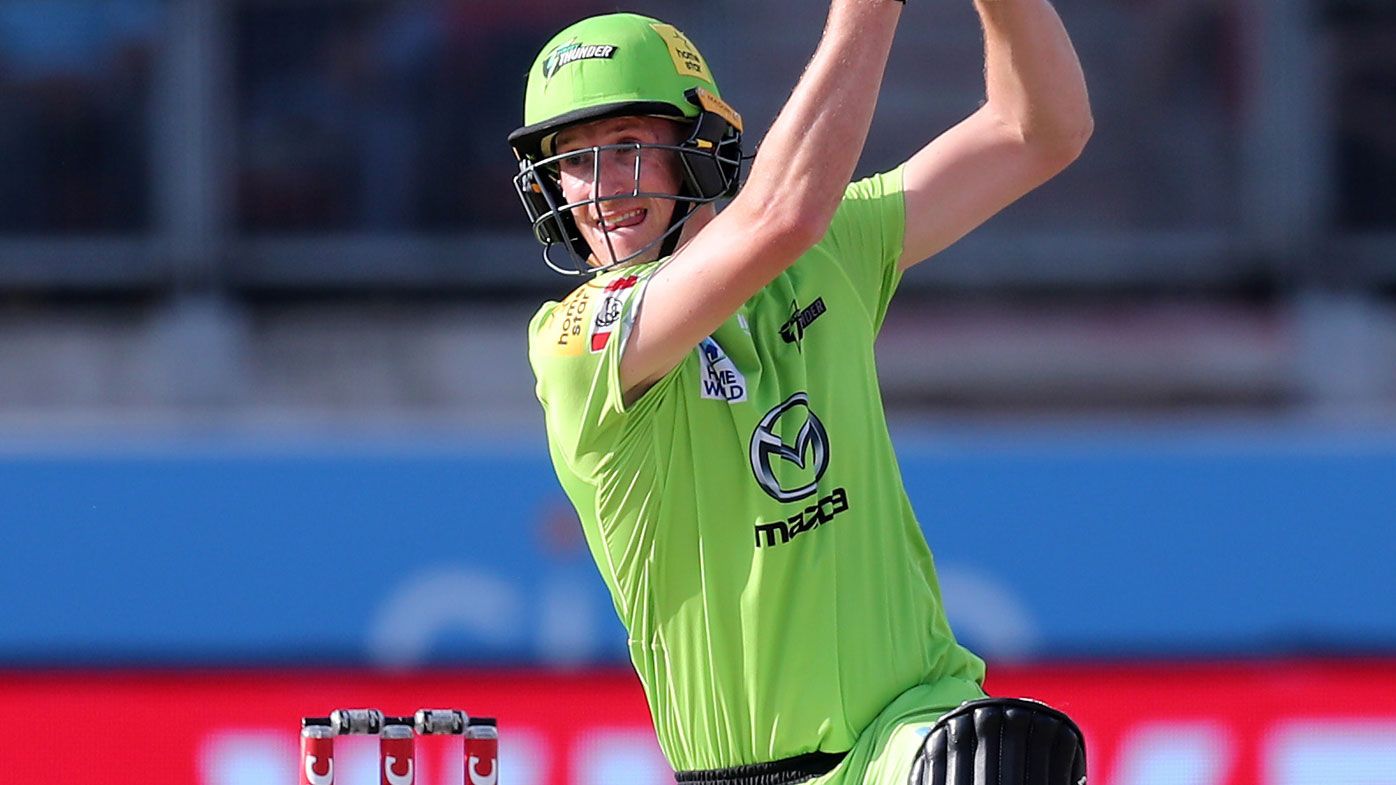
(390, 116)
(1364, 47)
(1228, 238)
(74, 87)
(379, 116)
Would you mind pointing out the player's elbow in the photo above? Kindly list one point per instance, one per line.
(1057, 145)
(802, 232)
(1074, 138)
(787, 230)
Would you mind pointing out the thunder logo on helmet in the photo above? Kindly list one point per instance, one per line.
(573, 51)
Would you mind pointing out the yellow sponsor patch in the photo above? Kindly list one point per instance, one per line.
(719, 107)
(687, 61)
(569, 321)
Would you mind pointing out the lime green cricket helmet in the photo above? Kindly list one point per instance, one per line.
(619, 65)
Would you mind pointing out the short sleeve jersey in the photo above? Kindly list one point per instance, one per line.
(747, 511)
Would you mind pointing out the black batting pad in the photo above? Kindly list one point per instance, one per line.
(1002, 741)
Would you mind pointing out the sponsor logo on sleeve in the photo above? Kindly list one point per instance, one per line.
(574, 51)
(793, 331)
(718, 375)
(568, 322)
(609, 309)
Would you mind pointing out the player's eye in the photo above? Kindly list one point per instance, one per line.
(577, 164)
(626, 152)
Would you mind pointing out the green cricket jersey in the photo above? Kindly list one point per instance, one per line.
(747, 512)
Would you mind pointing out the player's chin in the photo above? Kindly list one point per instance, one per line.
(624, 244)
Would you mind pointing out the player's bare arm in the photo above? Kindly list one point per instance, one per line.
(794, 188)
(1034, 123)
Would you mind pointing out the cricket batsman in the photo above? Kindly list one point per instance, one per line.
(711, 398)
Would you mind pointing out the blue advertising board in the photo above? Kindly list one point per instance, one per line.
(405, 552)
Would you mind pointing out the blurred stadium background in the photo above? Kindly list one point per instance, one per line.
(268, 445)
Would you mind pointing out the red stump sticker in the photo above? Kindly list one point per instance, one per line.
(395, 757)
(317, 756)
(481, 754)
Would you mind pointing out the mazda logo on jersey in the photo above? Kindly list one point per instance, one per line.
(808, 455)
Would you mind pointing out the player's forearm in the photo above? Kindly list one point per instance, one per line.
(1033, 76)
(808, 157)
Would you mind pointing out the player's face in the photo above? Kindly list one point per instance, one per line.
(619, 227)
